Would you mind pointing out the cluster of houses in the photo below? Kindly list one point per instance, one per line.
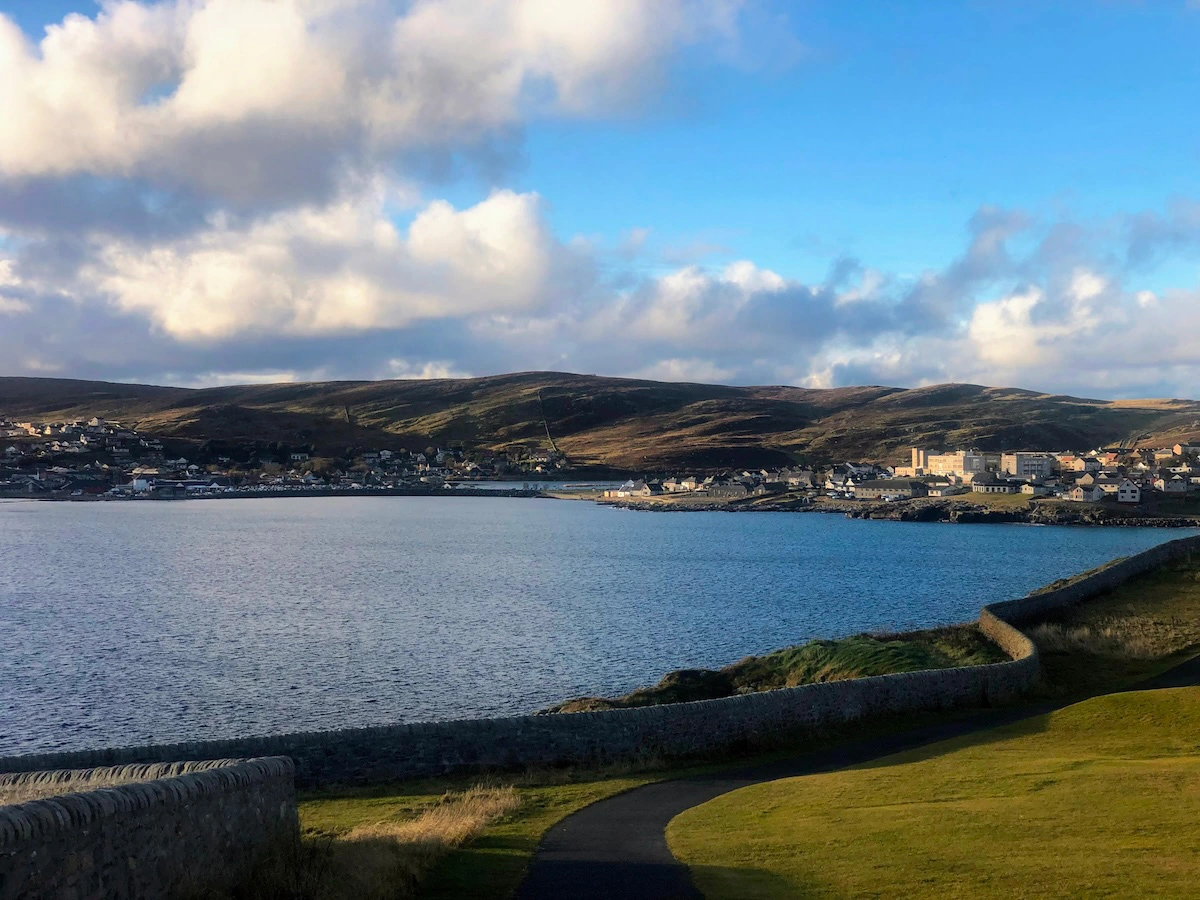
(1117, 474)
(99, 458)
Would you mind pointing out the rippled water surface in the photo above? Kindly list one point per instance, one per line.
(125, 623)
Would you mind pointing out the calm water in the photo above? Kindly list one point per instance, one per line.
(124, 623)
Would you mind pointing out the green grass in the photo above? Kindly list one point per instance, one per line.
(996, 501)
(853, 657)
(1099, 799)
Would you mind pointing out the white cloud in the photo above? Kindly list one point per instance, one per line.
(8, 304)
(406, 369)
(253, 100)
(695, 370)
(337, 268)
(228, 379)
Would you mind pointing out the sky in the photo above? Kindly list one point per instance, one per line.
(203, 192)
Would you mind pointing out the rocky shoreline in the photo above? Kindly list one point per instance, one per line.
(963, 512)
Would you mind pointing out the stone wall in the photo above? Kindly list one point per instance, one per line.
(674, 730)
(146, 831)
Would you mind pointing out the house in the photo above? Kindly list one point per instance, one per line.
(797, 478)
(1086, 494)
(1175, 486)
(1185, 449)
(991, 485)
(729, 490)
(768, 487)
(1129, 492)
(630, 488)
(890, 489)
(946, 490)
(839, 482)
(1035, 490)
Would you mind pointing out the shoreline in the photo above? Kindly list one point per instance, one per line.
(949, 511)
(940, 510)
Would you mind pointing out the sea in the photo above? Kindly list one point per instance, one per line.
(126, 623)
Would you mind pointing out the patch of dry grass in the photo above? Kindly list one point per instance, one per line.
(382, 860)
(388, 859)
(1134, 637)
(1132, 632)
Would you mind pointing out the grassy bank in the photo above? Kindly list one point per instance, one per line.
(816, 661)
(1099, 799)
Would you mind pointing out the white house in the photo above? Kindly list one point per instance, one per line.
(1128, 492)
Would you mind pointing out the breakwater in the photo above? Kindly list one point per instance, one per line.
(147, 831)
(674, 730)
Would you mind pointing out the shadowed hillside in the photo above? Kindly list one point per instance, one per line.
(622, 423)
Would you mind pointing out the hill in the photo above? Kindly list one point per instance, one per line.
(620, 423)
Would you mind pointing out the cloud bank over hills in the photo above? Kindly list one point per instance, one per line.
(207, 192)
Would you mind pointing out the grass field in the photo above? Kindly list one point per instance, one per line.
(1099, 799)
(997, 501)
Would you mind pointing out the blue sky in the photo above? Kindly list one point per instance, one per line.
(799, 137)
(903, 119)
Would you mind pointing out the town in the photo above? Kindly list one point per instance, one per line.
(1121, 475)
(98, 459)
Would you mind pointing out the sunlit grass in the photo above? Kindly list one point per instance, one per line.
(1099, 799)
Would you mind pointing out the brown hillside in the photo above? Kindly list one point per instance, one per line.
(622, 423)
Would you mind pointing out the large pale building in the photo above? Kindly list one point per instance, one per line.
(1028, 465)
(962, 463)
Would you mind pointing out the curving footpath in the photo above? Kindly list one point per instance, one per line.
(618, 847)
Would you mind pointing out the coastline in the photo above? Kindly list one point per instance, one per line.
(951, 511)
(956, 510)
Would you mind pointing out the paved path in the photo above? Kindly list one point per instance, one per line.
(617, 848)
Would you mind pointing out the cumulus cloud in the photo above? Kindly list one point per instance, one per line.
(271, 101)
(341, 267)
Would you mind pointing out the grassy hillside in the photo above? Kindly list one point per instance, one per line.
(1099, 799)
(623, 423)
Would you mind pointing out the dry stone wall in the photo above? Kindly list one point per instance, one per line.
(150, 831)
(674, 730)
